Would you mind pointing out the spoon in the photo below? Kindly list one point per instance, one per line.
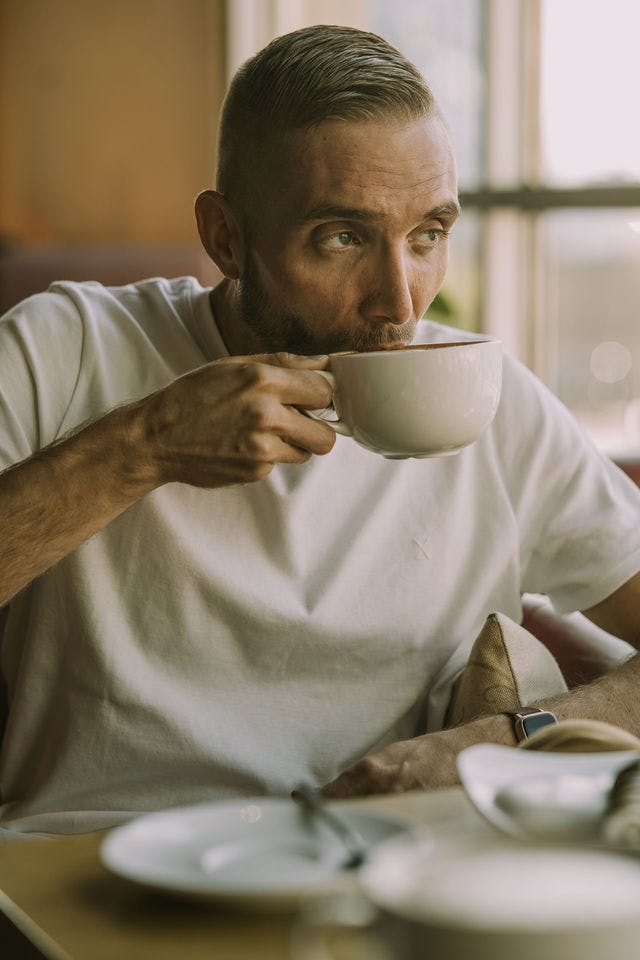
(312, 802)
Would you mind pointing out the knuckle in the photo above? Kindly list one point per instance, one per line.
(260, 416)
(258, 446)
(368, 767)
(256, 374)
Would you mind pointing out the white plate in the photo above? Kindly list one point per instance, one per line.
(538, 794)
(264, 850)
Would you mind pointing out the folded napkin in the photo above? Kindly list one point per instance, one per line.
(581, 736)
(507, 668)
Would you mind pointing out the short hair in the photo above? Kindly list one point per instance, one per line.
(303, 78)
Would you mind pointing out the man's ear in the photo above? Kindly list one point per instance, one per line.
(220, 232)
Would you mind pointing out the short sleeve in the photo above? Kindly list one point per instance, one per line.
(577, 513)
(41, 343)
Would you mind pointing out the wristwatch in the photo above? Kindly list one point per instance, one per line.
(528, 720)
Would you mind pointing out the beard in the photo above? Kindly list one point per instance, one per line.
(277, 330)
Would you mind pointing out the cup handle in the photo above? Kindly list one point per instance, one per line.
(338, 425)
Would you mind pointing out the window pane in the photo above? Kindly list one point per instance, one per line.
(589, 91)
(592, 266)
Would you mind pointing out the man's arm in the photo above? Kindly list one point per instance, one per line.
(429, 761)
(227, 422)
(619, 614)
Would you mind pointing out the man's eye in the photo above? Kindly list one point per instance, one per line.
(337, 241)
(432, 236)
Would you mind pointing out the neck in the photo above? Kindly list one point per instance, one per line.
(238, 337)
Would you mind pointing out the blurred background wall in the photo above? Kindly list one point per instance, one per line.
(108, 115)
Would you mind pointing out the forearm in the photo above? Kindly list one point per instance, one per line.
(429, 761)
(612, 698)
(227, 422)
(57, 499)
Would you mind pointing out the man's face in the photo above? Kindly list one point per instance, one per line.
(349, 246)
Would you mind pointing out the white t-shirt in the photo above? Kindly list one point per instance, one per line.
(237, 641)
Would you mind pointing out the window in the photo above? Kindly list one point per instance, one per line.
(590, 253)
(540, 98)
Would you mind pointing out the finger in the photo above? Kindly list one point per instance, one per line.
(297, 386)
(307, 434)
(283, 441)
(306, 389)
(285, 450)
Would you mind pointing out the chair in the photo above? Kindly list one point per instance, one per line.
(26, 271)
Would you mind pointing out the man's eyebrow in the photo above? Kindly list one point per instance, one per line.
(332, 211)
(450, 210)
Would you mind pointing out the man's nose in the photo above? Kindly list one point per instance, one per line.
(390, 299)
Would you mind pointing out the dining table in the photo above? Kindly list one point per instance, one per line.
(58, 901)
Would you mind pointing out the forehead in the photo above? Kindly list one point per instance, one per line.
(383, 165)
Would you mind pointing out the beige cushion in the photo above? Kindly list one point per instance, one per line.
(507, 668)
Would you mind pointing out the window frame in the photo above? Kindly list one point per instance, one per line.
(513, 196)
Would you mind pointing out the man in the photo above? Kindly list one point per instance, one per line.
(211, 595)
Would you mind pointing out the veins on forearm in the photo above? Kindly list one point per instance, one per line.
(612, 698)
(62, 495)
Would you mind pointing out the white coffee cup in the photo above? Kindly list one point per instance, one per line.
(423, 400)
(463, 898)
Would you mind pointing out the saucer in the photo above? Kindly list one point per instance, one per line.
(261, 850)
(541, 795)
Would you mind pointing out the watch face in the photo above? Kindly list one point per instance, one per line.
(536, 721)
